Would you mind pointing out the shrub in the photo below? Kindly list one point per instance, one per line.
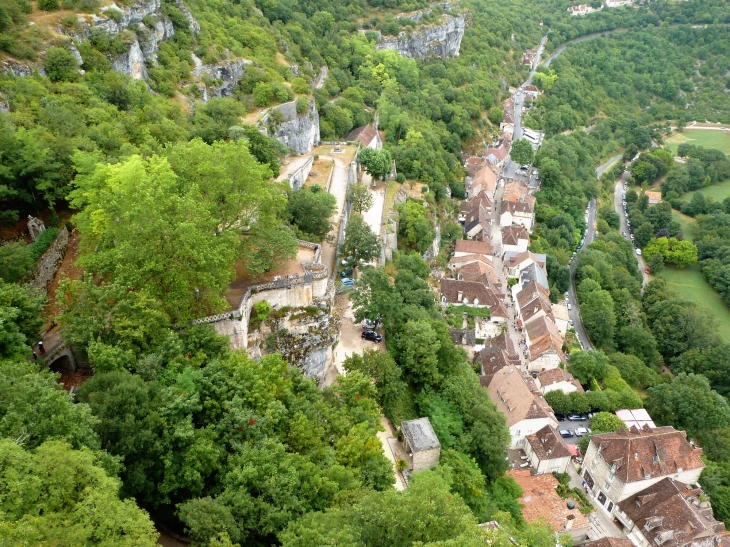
(302, 105)
(260, 312)
(262, 94)
(114, 14)
(39, 246)
(60, 65)
(15, 261)
(299, 85)
(48, 5)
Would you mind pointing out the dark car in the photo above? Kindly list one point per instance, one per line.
(577, 417)
(372, 336)
(566, 433)
(347, 271)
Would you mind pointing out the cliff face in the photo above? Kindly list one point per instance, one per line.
(226, 74)
(439, 41)
(300, 133)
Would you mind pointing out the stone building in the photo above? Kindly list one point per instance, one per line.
(546, 451)
(671, 514)
(619, 465)
(421, 443)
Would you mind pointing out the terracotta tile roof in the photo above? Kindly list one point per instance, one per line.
(498, 354)
(532, 89)
(540, 500)
(481, 199)
(476, 215)
(654, 196)
(364, 134)
(514, 190)
(544, 337)
(532, 309)
(508, 117)
(485, 179)
(476, 270)
(547, 444)
(639, 454)
(519, 258)
(511, 235)
(473, 164)
(531, 292)
(473, 247)
(513, 398)
(461, 261)
(499, 153)
(557, 375)
(670, 514)
(517, 208)
(610, 542)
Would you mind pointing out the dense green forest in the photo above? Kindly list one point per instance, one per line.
(617, 76)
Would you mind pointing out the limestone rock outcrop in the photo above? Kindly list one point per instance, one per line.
(298, 132)
(433, 41)
(225, 76)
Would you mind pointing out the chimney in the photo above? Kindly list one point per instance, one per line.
(459, 296)
(569, 522)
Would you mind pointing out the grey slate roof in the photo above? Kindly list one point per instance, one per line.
(420, 434)
(534, 273)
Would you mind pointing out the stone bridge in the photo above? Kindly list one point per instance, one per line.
(59, 357)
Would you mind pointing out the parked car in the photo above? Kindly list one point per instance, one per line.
(368, 324)
(646, 270)
(570, 322)
(372, 336)
(570, 307)
(581, 431)
(566, 433)
(347, 271)
(638, 252)
(566, 295)
(577, 417)
(348, 282)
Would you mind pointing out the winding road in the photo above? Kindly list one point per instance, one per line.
(590, 235)
(619, 208)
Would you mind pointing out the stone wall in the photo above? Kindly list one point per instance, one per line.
(434, 41)
(309, 347)
(299, 177)
(390, 226)
(299, 133)
(47, 265)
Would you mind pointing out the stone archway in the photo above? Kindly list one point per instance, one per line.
(62, 363)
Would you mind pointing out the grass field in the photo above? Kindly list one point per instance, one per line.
(719, 140)
(718, 191)
(691, 284)
(686, 222)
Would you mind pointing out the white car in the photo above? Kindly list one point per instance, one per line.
(579, 432)
(570, 307)
(638, 252)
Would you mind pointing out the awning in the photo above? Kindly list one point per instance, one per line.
(573, 449)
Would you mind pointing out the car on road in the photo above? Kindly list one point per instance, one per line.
(347, 271)
(623, 234)
(372, 336)
(646, 270)
(566, 295)
(570, 322)
(638, 252)
(582, 431)
(348, 282)
(524, 167)
(570, 307)
(577, 418)
(566, 433)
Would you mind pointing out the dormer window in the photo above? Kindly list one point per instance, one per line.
(655, 458)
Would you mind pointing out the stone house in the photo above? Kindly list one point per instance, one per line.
(514, 263)
(498, 353)
(517, 190)
(531, 273)
(541, 501)
(458, 262)
(532, 302)
(618, 465)
(558, 378)
(473, 164)
(367, 135)
(654, 197)
(476, 294)
(484, 181)
(466, 247)
(671, 514)
(477, 222)
(507, 125)
(544, 344)
(609, 542)
(561, 316)
(515, 239)
(546, 451)
(525, 412)
(480, 271)
(517, 213)
(532, 91)
(421, 443)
